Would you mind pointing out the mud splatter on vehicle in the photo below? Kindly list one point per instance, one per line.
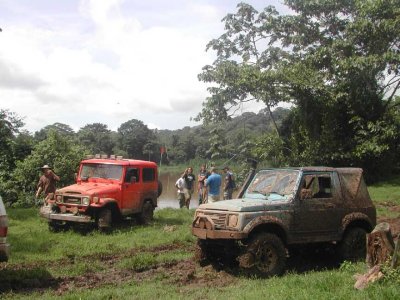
(285, 208)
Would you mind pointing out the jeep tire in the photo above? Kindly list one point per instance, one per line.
(201, 254)
(104, 219)
(353, 245)
(265, 255)
(147, 214)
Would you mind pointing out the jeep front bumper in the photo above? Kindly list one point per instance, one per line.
(204, 228)
(47, 213)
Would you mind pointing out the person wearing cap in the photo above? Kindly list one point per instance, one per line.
(229, 184)
(213, 182)
(47, 183)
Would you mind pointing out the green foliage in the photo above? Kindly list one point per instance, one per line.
(97, 138)
(58, 151)
(391, 275)
(133, 135)
(337, 62)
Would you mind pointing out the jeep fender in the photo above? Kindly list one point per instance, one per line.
(270, 223)
(358, 219)
(103, 202)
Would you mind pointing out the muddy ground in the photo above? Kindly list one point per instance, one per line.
(184, 274)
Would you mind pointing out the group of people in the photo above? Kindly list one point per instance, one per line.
(208, 185)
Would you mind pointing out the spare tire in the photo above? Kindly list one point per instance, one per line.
(159, 188)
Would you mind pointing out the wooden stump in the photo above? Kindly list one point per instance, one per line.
(380, 245)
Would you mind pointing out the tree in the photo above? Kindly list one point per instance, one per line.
(10, 125)
(58, 151)
(97, 138)
(133, 135)
(61, 128)
(336, 61)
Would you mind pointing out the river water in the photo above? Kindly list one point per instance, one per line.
(169, 196)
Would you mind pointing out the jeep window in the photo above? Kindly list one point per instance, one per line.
(132, 175)
(316, 186)
(104, 171)
(273, 183)
(148, 174)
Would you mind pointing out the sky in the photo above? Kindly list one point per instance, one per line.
(80, 62)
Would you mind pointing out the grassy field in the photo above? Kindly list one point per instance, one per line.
(156, 261)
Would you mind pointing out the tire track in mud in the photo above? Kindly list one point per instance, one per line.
(180, 273)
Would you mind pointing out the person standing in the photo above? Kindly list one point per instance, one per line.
(229, 184)
(47, 184)
(189, 178)
(201, 187)
(213, 182)
(180, 186)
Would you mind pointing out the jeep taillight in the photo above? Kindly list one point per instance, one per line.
(3, 226)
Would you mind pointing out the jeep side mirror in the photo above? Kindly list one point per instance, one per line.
(305, 194)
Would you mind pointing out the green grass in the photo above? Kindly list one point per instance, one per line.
(386, 195)
(150, 257)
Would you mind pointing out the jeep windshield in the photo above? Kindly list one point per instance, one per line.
(104, 171)
(273, 185)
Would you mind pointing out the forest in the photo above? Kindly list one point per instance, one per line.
(335, 65)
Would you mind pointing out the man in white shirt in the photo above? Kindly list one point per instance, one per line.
(181, 187)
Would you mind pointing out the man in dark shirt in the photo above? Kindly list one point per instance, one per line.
(47, 183)
(229, 184)
(189, 178)
(201, 185)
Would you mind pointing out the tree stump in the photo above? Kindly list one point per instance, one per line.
(380, 245)
(396, 254)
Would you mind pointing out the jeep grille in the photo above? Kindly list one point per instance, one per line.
(72, 200)
(218, 219)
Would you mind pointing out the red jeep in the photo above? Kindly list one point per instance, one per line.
(106, 189)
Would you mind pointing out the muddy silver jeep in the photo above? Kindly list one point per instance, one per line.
(280, 209)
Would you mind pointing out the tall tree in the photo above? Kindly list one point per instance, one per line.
(97, 138)
(61, 128)
(133, 135)
(336, 61)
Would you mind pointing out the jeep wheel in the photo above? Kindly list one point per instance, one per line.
(353, 245)
(200, 253)
(265, 256)
(105, 219)
(146, 216)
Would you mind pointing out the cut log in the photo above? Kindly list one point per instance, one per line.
(380, 245)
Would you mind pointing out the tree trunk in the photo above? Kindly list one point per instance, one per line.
(273, 120)
(380, 245)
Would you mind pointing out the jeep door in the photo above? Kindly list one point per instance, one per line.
(318, 211)
(131, 191)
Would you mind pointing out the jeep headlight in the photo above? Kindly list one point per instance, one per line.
(232, 220)
(59, 198)
(85, 200)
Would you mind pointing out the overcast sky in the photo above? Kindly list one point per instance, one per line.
(84, 61)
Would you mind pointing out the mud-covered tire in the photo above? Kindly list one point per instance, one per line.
(353, 245)
(201, 255)
(147, 214)
(104, 220)
(265, 256)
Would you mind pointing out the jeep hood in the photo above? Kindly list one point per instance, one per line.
(238, 205)
(89, 189)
